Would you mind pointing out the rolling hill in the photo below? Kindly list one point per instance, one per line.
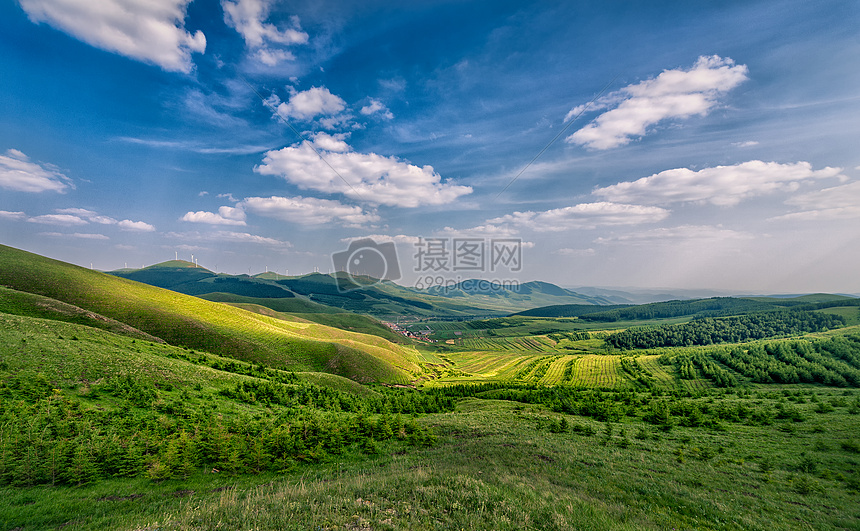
(183, 320)
(320, 293)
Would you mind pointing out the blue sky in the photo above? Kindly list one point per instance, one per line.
(681, 144)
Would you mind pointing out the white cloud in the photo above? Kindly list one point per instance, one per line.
(197, 147)
(583, 216)
(89, 215)
(135, 226)
(376, 107)
(79, 235)
(308, 210)
(19, 174)
(846, 195)
(670, 236)
(248, 17)
(13, 216)
(380, 238)
(226, 216)
(360, 176)
(488, 230)
(575, 252)
(748, 143)
(152, 31)
(272, 57)
(838, 202)
(673, 94)
(327, 142)
(824, 214)
(720, 185)
(94, 217)
(312, 102)
(66, 220)
(223, 236)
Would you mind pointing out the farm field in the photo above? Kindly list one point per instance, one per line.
(515, 425)
(521, 326)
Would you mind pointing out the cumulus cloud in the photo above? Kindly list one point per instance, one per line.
(308, 210)
(248, 17)
(583, 216)
(674, 94)
(838, 202)
(135, 226)
(360, 176)
(18, 173)
(226, 216)
(720, 185)
(675, 235)
(309, 103)
(376, 107)
(151, 31)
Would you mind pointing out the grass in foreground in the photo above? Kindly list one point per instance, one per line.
(503, 465)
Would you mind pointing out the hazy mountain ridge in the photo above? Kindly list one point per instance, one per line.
(469, 298)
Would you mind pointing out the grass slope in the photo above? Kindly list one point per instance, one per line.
(351, 322)
(503, 465)
(286, 305)
(31, 305)
(196, 323)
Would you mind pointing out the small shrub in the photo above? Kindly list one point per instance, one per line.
(808, 464)
(583, 429)
(850, 446)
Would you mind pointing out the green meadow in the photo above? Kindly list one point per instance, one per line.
(126, 406)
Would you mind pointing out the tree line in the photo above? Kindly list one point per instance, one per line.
(708, 330)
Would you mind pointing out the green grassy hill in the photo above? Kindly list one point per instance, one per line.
(287, 304)
(338, 291)
(213, 327)
(531, 423)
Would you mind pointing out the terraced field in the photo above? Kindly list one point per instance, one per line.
(533, 344)
(660, 373)
(581, 370)
(495, 365)
(597, 371)
(555, 373)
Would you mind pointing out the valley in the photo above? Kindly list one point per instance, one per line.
(126, 405)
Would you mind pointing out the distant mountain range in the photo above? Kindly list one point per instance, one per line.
(626, 295)
(338, 292)
(710, 307)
